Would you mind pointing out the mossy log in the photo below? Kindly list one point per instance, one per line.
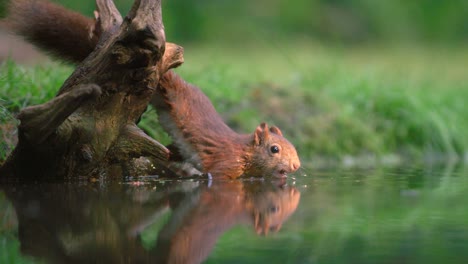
(89, 128)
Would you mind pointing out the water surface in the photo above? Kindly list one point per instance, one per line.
(399, 215)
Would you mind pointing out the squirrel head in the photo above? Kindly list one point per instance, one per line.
(273, 155)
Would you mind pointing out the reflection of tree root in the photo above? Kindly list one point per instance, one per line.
(40, 121)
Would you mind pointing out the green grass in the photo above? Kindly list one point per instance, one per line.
(330, 102)
(333, 102)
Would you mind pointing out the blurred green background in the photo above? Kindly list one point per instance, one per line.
(341, 21)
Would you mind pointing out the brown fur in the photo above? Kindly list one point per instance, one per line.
(63, 33)
(199, 133)
(207, 142)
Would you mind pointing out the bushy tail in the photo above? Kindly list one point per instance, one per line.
(61, 32)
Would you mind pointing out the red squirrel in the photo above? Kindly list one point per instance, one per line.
(199, 133)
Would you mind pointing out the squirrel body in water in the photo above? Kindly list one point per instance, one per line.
(199, 133)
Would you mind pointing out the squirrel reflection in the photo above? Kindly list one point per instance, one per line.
(192, 232)
(86, 224)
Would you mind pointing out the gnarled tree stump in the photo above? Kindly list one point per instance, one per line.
(90, 127)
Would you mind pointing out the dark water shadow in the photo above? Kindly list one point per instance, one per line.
(104, 222)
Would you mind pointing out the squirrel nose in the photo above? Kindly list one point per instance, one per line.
(295, 166)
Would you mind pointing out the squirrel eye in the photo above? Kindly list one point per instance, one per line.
(274, 149)
(274, 209)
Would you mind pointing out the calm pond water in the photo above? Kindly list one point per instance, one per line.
(402, 215)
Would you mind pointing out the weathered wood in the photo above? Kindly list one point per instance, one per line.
(110, 17)
(40, 121)
(90, 126)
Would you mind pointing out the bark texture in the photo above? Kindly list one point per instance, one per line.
(89, 128)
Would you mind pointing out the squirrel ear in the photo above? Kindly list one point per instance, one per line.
(257, 226)
(277, 228)
(261, 224)
(261, 134)
(276, 130)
